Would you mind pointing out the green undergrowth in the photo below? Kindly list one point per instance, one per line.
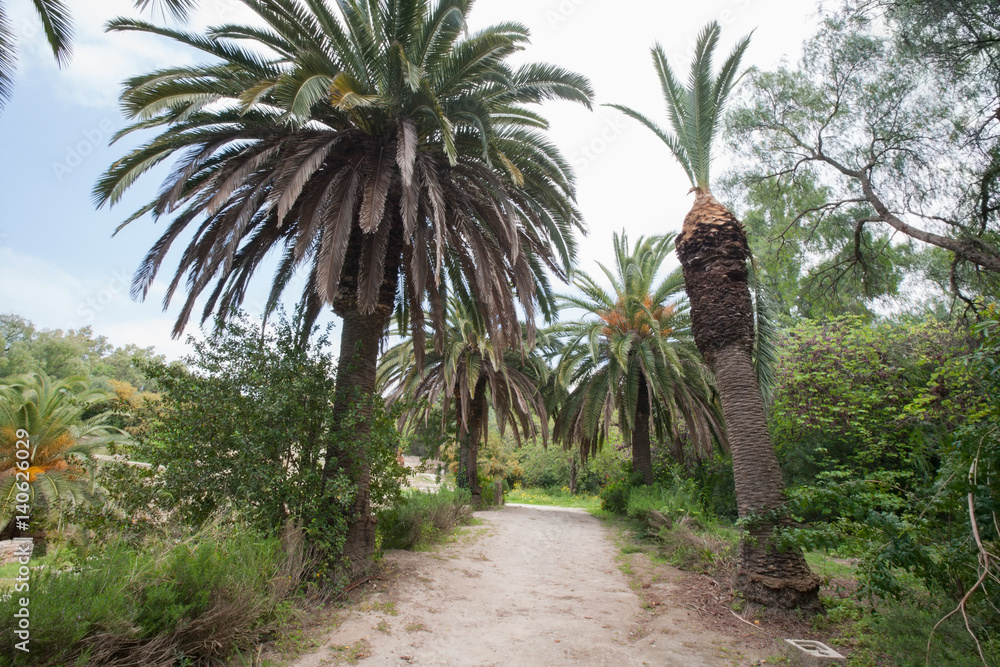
(554, 497)
(897, 633)
(421, 518)
(199, 600)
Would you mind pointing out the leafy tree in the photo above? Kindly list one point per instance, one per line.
(863, 397)
(633, 353)
(474, 374)
(376, 146)
(61, 444)
(904, 160)
(806, 257)
(62, 354)
(713, 250)
(246, 424)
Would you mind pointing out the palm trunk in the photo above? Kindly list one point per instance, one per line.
(477, 419)
(713, 252)
(641, 459)
(360, 340)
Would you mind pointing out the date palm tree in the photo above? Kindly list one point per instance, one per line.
(58, 27)
(632, 353)
(714, 253)
(381, 150)
(473, 374)
(61, 442)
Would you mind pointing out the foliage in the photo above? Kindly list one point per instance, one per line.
(898, 635)
(419, 519)
(248, 423)
(192, 601)
(886, 167)
(917, 494)
(466, 373)
(383, 134)
(48, 447)
(697, 109)
(553, 497)
(632, 353)
(25, 349)
(848, 392)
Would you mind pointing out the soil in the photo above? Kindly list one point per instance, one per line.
(532, 585)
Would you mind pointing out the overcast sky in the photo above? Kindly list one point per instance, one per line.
(60, 268)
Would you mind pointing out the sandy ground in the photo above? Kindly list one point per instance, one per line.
(532, 586)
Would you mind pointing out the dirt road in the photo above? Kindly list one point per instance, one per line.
(529, 586)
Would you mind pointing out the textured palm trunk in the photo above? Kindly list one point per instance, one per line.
(642, 461)
(361, 334)
(713, 252)
(360, 341)
(477, 419)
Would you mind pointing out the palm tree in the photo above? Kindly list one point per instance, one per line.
(475, 374)
(58, 26)
(634, 355)
(713, 251)
(377, 147)
(60, 466)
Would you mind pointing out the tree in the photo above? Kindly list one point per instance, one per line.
(633, 353)
(475, 374)
(713, 251)
(906, 161)
(58, 26)
(375, 146)
(60, 443)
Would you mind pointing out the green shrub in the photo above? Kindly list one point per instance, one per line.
(170, 603)
(421, 518)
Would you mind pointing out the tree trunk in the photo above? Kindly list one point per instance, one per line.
(477, 423)
(359, 347)
(360, 340)
(641, 459)
(572, 472)
(713, 252)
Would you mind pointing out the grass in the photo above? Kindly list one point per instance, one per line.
(9, 571)
(424, 518)
(202, 599)
(553, 497)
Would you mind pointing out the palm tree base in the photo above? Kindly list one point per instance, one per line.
(775, 580)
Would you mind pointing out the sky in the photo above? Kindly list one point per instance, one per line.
(61, 268)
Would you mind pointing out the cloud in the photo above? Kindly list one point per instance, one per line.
(52, 298)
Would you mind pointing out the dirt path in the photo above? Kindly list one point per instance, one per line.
(529, 586)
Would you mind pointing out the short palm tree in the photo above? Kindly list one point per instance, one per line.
(60, 466)
(714, 253)
(632, 354)
(379, 148)
(474, 375)
(58, 26)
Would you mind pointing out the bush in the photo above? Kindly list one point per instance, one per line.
(421, 518)
(250, 422)
(190, 602)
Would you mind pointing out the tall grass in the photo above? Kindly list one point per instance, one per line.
(422, 518)
(192, 602)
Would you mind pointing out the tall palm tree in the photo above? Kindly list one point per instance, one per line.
(713, 251)
(379, 148)
(633, 354)
(58, 26)
(60, 464)
(474, 374)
